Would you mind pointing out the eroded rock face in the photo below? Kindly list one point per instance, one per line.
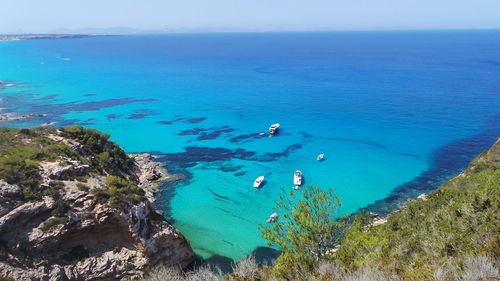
(62, 171)
(76, 237)
(10, 197)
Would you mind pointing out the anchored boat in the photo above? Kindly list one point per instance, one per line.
(273, 129)
(320, 157)
(272, 218)
(258, 182)
(297, 178)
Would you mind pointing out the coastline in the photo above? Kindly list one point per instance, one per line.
(8, 38)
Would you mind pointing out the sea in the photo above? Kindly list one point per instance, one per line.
(396, 114)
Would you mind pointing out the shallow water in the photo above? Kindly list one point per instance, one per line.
(396, 114)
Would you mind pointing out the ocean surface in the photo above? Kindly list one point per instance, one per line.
(395, 113)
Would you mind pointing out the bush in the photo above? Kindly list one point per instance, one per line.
(479, 268)
(51, 222)
(15, 169)
(82, 187)
(173, 274)
(60, 208)
(119, 193)
(246, 268)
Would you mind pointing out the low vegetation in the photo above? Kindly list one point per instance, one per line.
(109, 157)
(119, 192)
(51, 222)
(22, 151)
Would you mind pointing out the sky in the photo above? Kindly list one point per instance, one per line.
(136, 16)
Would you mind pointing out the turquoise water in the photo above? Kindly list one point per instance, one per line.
(395, 113)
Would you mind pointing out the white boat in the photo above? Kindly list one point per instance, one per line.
(258, 182)
(320, 157)
(297, 178)
(273, 129)
(272, 218)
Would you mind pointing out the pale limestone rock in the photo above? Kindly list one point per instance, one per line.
(10, 197)
(120, 243)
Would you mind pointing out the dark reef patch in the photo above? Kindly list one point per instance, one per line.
(140, 114)
(447, 161)
(114, 116)
(89, 95)
(170, 122)
(63, 108)
(246, 137)
(239, 174)
(136, 116)
(49, 97)
(268, 157)
(192, 132)
(230, 168)
(218, 195)
(376, 145)
(195, 154)
(196, 120)
(206, 134)
(306, 135)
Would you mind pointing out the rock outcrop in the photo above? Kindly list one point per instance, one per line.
(11, 117)
(73, 234)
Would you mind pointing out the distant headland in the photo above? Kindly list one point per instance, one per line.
(17, 37)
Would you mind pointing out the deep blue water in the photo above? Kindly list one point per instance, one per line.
(396, 114)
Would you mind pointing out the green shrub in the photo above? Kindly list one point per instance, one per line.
(51, 222)
(15, 169)
(60, 208)
(119, 193)
(123, 192)
(82, 186)
(101, 195)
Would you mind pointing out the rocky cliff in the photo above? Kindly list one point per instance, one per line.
(74, 206)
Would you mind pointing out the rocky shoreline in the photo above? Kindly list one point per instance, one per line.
(151, 173)
(87, 238)
(13, 117)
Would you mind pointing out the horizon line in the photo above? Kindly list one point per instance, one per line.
(194, 31)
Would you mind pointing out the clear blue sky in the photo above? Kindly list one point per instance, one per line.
(247, 15)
